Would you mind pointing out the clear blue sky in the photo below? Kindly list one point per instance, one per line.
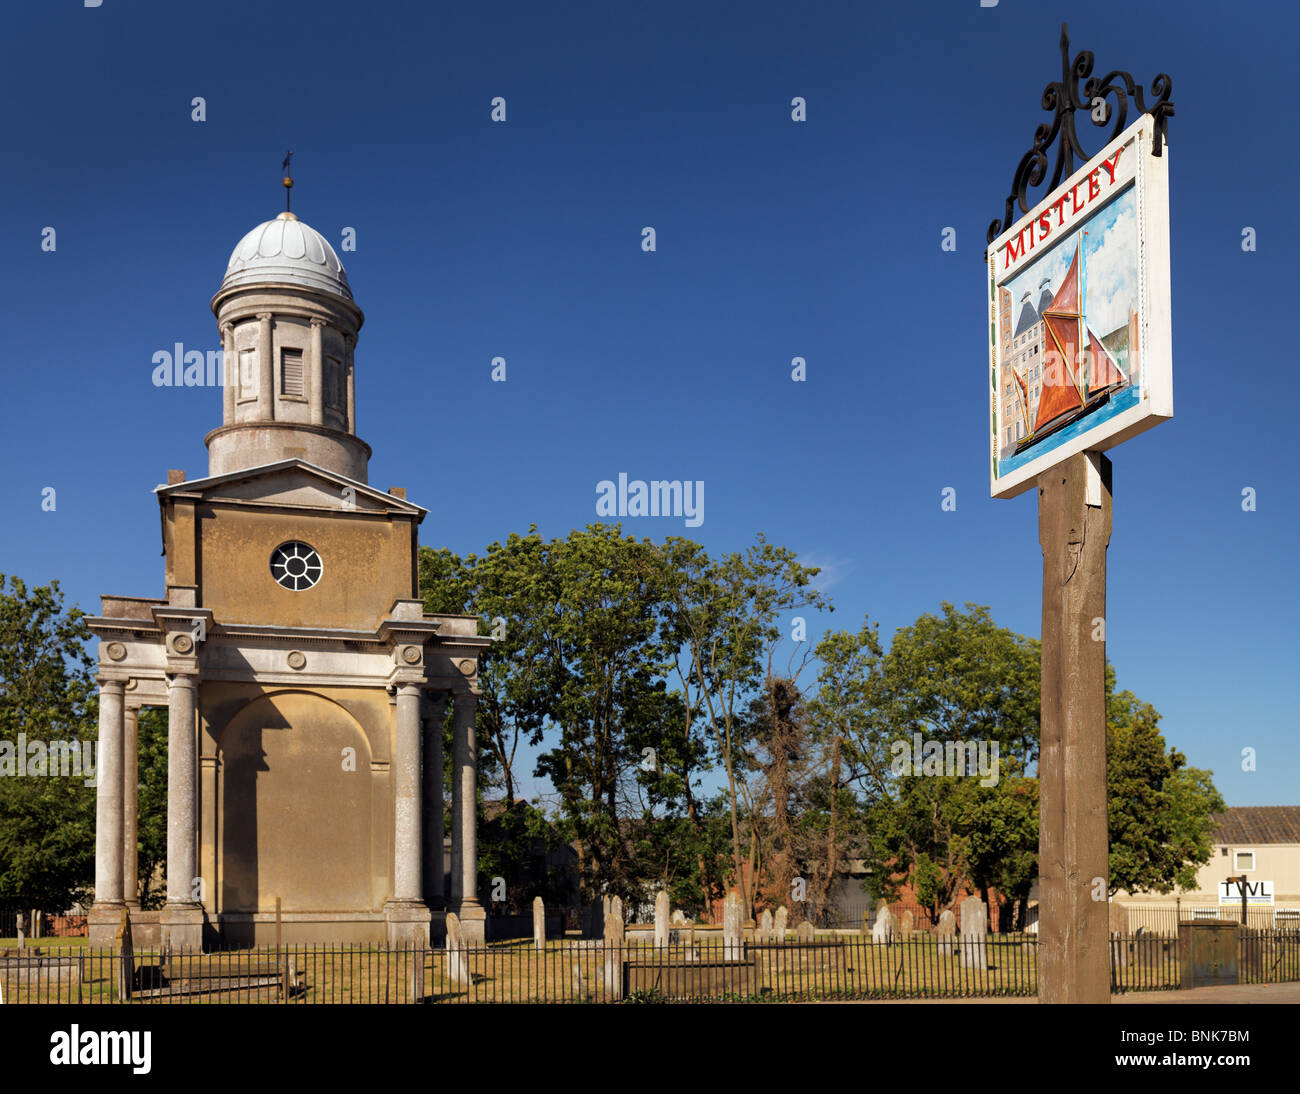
(775, 239)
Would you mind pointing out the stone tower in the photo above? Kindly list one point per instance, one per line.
(305, 686)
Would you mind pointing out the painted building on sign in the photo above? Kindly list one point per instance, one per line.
(305, 686)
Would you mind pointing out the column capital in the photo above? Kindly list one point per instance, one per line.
(316, 321)
(226, 326)
(111, 684)
(179, 679)
(264, 316)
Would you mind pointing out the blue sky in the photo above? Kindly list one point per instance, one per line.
(775, 240)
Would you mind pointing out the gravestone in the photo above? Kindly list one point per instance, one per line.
(1118, 918)
(22, 934)
(678, 918)
(539, 923)
(663, 909)
(415, 977)
(804, 932)
(125, 958)
(765, 926)
(457, 961)
(778, 924)
(884, 929)
(36, 923)
(866, 923)
(974, 934)
(945, 932)
(579, 982)
(613, 963)
(733, 945)
(908, 922)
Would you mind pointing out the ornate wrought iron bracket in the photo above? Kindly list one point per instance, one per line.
(1064, 98)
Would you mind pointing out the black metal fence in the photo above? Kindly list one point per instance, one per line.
(569, 971)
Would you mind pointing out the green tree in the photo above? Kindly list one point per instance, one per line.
(47, 693)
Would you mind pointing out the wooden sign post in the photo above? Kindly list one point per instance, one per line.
(1074, 519)
(1079, 361)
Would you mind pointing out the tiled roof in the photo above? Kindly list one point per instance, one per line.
(1258, 824)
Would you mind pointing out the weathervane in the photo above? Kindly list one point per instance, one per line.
(288, 182)
(1065, 98)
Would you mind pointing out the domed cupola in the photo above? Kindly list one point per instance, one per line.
(289, 330)
(287, 251)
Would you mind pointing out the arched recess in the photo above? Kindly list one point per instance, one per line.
(295, 807)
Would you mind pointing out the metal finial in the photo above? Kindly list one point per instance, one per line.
(288, 182)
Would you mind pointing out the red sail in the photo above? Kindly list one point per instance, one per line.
(1105, 373)
(1060, 345)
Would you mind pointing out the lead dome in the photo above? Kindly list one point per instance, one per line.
(286, 251)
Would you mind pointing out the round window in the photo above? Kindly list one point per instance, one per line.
(296, 566)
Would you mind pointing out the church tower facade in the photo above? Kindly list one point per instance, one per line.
(306, 689)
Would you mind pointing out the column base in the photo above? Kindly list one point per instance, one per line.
(102, 922)
(181, 927)
(408, 922)
(473, 922)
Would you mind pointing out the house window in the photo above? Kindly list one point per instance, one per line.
(1243, 860)
(291, 373)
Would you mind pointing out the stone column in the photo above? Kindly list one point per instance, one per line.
(106, 913)
(465, 776)
(229, 373)
(408, 917)
(265, 368)
(316, 375)
(350, 342)
(431, 801)
(406, 794)
(130, 809)
(182, 916)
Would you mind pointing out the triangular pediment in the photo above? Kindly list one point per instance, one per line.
(294, 483)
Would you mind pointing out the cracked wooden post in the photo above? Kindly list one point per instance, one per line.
(1074, 522)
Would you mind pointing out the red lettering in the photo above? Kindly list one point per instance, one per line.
(1093, 187)
(1044, 226)
(1110, 165)
(1011, 248)
(1060, 216)
(1074, 197)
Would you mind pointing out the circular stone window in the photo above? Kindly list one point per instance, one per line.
(296, 566)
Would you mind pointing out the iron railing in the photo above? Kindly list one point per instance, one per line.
(572, 971)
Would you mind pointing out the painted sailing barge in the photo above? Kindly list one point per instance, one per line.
(1074, 383)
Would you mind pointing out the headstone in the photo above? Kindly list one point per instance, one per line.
(974, 934)
(678, 918)
(36, 923)
(866, 923)
(613, 964)
(1118, 918)
(539, 923)
(415, 978)
(885, 928)
(946, 932)
(733, 933)
(804, 932)
(594, 926)
(765, 926)
(125, 958)
(906, 925)
(457, 961)
(22, 934)
(663, 908)
(778, 924)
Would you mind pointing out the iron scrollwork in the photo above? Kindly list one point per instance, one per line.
(1064, 98)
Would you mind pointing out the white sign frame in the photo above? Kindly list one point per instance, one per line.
(1148, 176)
